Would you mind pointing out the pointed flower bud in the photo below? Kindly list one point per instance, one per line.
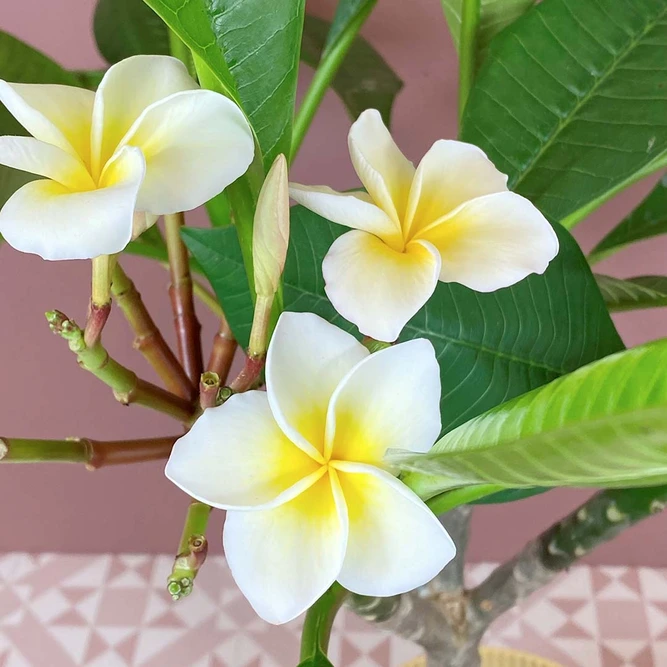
(271, 230)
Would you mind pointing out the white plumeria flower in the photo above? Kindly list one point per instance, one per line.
(300, 470)
(150, 140)
(450, 219)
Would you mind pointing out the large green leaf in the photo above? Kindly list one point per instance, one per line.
(647, 220)
(364, 79)
(261, 42)
(190, 20)
(20, 63)
(125, 28)
(604, 425)
(491, 347)
(572, 99)
(633, 293)
(495, 15)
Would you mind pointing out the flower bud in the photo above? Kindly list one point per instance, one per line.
(271, 230)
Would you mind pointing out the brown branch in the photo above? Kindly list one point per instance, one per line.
(187, 325)
(249, 375)
(148, 338)
(93, 453)
(222, 353)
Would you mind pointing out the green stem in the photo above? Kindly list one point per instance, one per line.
(470, 16)
(331, 61)
(319, 621)
(181, 51)
(580, 214)
(192, 551)
(448, 500)
(93, 453)
(126, 386)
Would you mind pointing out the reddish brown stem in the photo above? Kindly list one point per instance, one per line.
(209, 387)
(222, 354)
(93, 453)
(187, 325)
(249, 375)
(148, 338)
(97, 318)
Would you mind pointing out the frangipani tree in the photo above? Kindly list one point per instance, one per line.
(432, 340)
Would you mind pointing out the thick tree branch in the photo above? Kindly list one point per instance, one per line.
(222, 353)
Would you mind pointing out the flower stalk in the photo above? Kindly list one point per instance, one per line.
(222, 352)
(209, 387)
(319, 622)
(93, 454)
(192, 551)
(180, 292)
(100, 299)
(126, 386)
(148, 338)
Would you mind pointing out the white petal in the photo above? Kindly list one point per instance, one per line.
(37, 157)
(235, 456)
(307, 358)
(493, 242)
(195, 143)
(55, 114)
(395, 542)
(351, 209)
(385, 172)
(284, 559)
(450, 174)
(389, 400)
(48, 219)
(126, 90)
(375, 287)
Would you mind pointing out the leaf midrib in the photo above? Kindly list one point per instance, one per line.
(587, 97)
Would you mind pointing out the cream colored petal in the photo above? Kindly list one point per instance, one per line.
(450, 174)
(385, 172)
(37, 157)
(307, 358)
(48, 219)
(375, 287)
(236, 457)
(351, 209)
(389, 400)
(493, 242)
(55, 114)
(395, 542)
(127, 89)
(195, 143)
(284, 559)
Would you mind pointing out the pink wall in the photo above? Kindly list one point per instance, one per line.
(44, 394)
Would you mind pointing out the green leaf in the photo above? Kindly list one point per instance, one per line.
(572, 99)
(20, 63)
(647, 220)
(495, 15)
(89, 78)
(190, 20)
(604, 425)
(261, 41)
(491, 347)
(346, 12)
(364, 79)
(633, 293)
(125, 28)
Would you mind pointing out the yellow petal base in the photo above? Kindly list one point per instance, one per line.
(500, 657)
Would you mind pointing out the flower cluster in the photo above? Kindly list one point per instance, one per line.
(300, 467)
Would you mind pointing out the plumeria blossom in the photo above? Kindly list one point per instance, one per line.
(450, 219)
(148, 141)
(300, 469)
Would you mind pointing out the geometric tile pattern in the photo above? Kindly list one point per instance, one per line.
(113, 611)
